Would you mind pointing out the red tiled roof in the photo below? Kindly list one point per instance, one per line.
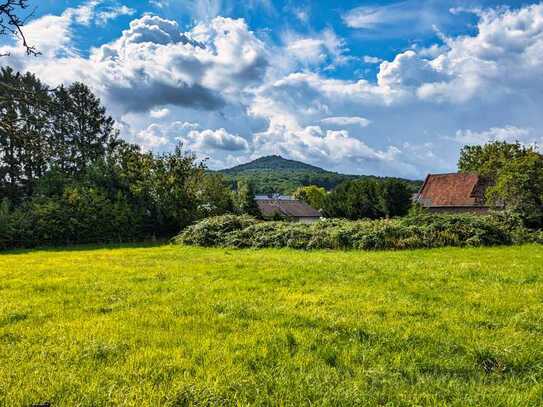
(291, 209)
(459, 189)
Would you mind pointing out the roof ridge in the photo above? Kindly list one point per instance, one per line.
(455, 173)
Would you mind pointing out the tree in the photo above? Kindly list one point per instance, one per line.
(313, 195)
(214, 196)
(395, 198)
(519, 187)
(514, 173)
(173, 183)
(488, 160)
(354, 200)
(245, 199)
(24, 132)
(91, 130)
(66, 128)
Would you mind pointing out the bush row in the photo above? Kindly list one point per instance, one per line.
(421, 231)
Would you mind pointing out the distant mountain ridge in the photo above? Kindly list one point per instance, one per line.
(275, 174)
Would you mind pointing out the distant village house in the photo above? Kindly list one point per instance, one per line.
(455, 192)
(286, 207)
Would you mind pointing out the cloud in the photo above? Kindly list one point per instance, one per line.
(484, 80)
(112, 13)
(207, 9)
(51, 35)
(314, 144)
(153, 137)
(159, 3)
(84, 13)
(154, 63)
(510, 134)
(372, 16)
(159, 113)
(346, 121)
(192, 136)
(218, 139)
(371, 60)
(408, 70)
(302, 14)
(399, 18)
(325, 47)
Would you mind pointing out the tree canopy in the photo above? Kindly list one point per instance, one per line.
(371, 199)
(514, 173)
(313, 195)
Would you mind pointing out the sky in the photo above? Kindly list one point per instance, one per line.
(391, 88)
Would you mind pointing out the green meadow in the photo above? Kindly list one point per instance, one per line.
(173, 325)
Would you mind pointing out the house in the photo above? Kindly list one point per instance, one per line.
(455, 192)
(278, 206)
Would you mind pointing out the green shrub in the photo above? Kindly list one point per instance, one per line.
(215, 230)
(417, 231)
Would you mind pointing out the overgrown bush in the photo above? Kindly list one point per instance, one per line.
(418, 231)
(215, 230)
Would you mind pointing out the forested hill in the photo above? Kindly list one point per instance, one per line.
(275, 174)
(273, 162)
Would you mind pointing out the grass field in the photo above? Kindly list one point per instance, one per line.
(173, 325)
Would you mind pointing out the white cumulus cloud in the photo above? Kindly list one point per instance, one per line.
(112, 13)
(346, 121)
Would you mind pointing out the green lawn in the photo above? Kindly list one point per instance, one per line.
(173, 325)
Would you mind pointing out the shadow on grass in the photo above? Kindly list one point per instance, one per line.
(87, 247)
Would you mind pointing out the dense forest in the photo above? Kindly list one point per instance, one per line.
(274, 174)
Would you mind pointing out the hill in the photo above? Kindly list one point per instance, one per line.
(273, 162)
(275, 174)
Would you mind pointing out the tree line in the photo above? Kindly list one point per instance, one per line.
(360, 199)
(67, 177)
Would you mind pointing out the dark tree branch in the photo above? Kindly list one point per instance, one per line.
(12, 23)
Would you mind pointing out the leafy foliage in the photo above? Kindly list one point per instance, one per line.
(488, 160)
(245, 199)
(395, 198)
(66, 130)
(354, 200)
(515, 175)
(215, 196)
(422, 231)
(370, 199)
(211, 231)
(313, 195)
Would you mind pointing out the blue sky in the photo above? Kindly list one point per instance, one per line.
(375, 87)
